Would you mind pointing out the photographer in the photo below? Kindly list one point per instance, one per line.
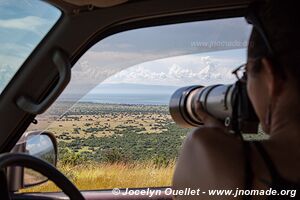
(212, 158)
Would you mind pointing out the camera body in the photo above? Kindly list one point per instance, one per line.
(227, 103)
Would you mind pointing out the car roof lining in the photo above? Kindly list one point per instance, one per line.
(96, 3)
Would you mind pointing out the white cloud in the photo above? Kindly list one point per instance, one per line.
(160, 68)
(96, 66)
(28, 23)
(180, 70)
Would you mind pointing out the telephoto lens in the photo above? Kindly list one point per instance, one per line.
(215, 100)
(228, 103)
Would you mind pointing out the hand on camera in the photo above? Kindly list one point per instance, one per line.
(207, 119)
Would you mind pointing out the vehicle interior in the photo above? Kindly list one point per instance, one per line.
(48, 69)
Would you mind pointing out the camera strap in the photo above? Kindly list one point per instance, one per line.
(236, 126)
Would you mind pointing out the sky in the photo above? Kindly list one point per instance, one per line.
(202, 52)
(23, 24)
(203, 68)
(37, 144)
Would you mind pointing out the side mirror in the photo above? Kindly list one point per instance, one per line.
(39, 144)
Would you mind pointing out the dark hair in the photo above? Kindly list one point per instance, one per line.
(280, 20)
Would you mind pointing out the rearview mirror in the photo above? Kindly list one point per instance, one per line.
(42, 145)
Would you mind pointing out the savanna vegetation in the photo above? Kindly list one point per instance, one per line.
(104, 146)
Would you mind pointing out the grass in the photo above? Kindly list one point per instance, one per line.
(67, 124)
(108, 176)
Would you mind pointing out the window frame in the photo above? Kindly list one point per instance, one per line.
(152, 13)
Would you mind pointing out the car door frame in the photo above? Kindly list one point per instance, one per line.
(15, 120)
(131, 15)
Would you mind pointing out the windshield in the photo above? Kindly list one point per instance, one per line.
(23, 24)
(112, 122)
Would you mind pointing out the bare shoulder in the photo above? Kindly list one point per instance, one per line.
(210, 159)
